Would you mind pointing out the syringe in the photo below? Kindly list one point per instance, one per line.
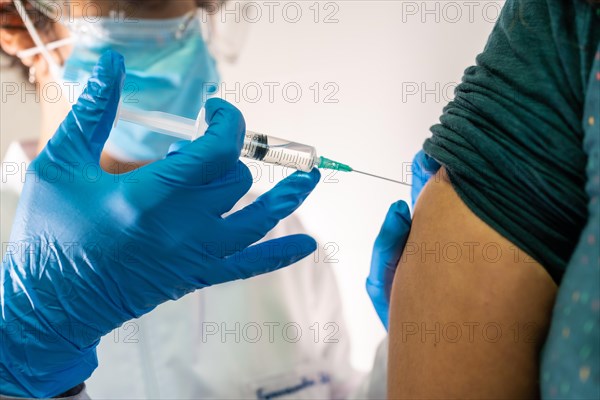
(257, 146)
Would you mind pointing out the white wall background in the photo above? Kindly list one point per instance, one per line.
(19, 113)
(389, 65)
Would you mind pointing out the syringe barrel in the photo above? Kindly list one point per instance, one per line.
(272, 150)
(257, 146)
(160, 122)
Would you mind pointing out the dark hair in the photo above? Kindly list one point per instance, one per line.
(43, 23)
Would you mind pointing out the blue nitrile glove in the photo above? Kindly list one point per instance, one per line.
(90, 250)
(392, 238)
(387, 250)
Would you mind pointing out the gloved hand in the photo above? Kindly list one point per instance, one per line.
(90, 250)
(392, 238)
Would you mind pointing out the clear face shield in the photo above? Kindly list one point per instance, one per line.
(171, 62)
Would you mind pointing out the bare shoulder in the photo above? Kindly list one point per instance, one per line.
(469, 309)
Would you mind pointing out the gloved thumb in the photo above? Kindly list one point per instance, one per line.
(391, 240)
(82, 134)
(387, 251)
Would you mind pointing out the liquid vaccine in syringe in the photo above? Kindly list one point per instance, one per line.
(272, 150)
(257, 146)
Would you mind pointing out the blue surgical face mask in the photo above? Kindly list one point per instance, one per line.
(168, 67)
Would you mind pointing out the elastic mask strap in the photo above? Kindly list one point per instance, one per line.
(49, 46)
(40, 46)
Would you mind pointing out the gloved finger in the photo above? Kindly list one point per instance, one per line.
(81, 136)
(254, 221)
(423, 168)
(389, 245)
(267, 257)
(426, 162)
(229, 189)
(211, 155)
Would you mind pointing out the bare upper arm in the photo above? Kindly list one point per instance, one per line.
(469, 310)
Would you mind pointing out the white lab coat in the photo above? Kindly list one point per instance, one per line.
(279, 335)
